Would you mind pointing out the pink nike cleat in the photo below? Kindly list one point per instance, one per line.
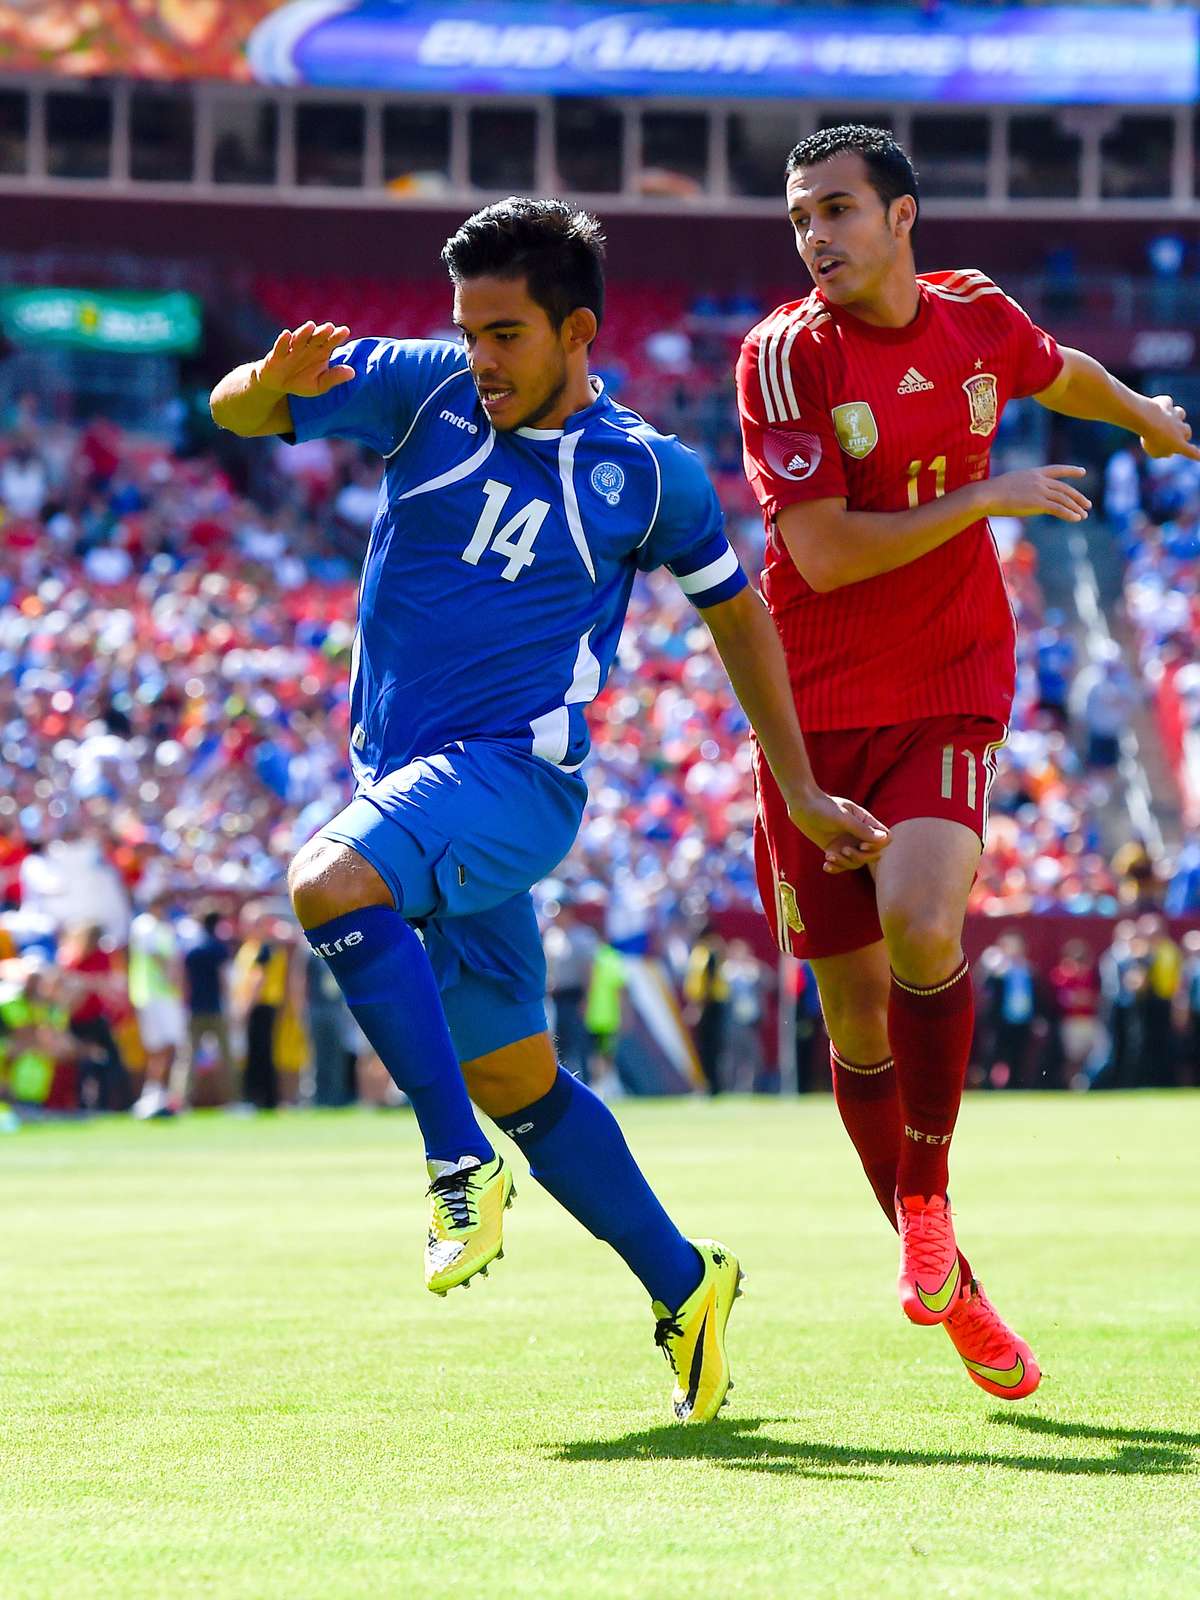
(930, 1275)
(995, 1357)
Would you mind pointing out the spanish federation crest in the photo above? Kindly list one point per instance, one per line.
(981, 393)
(855, 426)
(608, 480)
(790, 911)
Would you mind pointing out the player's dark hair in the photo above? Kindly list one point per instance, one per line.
(890, 171)
(558, 250)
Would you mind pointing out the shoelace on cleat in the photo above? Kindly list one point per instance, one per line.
(452, 1190)
(981, 1314)
(666, 1329)
(925, 1240)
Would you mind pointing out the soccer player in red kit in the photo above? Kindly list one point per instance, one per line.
(868, 411)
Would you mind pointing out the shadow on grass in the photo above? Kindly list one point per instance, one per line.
(1157, 1437)
(739, 1444)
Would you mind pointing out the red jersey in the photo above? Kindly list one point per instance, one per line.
(886, 419)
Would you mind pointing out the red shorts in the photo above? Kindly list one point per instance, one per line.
(933, 767)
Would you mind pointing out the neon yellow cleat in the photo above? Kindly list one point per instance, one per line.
(693, 1338)
(467, 1202)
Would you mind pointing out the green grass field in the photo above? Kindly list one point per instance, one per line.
(220, 1374)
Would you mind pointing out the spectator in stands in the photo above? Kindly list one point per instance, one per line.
(204, 964)
(333, 1064)
(1122, 490)
(260, 983)
(1188, 1003)
(1075, 987)
(1183, 892)
(603, 1016)
(156, 994)
(1105, 698)
(1011, 1008)
(706, 990)
(570, 947)
(747, 981)
(96, 1005)
(1164, 977)
(1122, 980)
(34, 1036)
(1055, 664)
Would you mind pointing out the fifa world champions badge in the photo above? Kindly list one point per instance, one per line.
(981, 393)
(856, 429)
(608, 480)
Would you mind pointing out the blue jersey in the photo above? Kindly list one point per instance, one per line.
(500, 564)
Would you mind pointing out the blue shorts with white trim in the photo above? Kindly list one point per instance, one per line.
(460, 837)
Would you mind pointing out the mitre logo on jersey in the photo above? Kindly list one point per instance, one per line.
(985, 407)
(608, 480)
(792, 455)
(855, 426)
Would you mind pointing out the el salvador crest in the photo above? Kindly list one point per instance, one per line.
(981, 395)
(608, 480)
(855, 426)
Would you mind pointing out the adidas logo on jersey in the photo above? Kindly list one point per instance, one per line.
(913, 383)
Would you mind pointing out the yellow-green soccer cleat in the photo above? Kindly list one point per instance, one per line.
(693, 1338)
(467, 1202)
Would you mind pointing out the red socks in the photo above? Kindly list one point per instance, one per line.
(870, 1110)
(930, 1031)
(866, 1100)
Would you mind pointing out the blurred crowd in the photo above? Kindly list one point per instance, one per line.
(1128, 1018)
(175, 633)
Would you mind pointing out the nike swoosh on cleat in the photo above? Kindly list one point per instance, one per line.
(1006, 1379)
(939, 1301)
(697, 1366)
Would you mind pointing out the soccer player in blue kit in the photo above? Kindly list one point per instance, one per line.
(518, 502)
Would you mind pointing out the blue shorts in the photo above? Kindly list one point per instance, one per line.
(460, 838)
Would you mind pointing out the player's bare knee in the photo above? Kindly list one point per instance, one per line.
(924, 941)
(856, 1019)
(327, 880)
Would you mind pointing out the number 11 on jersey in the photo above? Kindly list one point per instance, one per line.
(915, 468)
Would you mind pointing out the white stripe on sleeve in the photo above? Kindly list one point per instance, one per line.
(710, 576)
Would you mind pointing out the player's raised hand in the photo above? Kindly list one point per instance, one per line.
(1169, 432)
(298, 362)
(1038, 492)
(849, 836)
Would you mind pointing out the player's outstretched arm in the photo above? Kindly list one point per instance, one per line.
(252, 400)
(749, 646)
(1087, 390)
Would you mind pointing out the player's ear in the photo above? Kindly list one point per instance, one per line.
(904, 216)
(580, 328)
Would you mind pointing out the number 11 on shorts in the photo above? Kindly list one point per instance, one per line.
(950, 767)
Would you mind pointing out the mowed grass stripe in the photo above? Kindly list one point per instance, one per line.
(221, 1376)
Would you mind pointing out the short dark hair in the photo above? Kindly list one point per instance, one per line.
(557, 249)
(890, 171)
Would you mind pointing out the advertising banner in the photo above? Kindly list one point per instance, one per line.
(1079, 54)
(115, 320)
(1076, 54)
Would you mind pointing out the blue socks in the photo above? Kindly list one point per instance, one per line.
(383, 971)
(577, 1151)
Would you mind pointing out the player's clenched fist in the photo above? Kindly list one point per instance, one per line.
(1038, 492)
(299, 361)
